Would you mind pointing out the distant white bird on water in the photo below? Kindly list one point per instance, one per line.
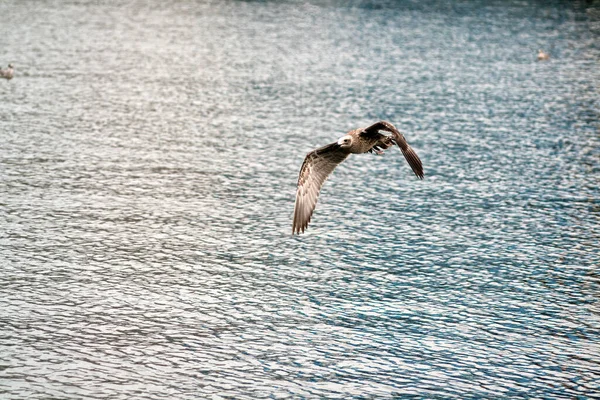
(543, 56)
(7, 73)
(319, 163)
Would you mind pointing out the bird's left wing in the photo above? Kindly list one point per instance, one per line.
(409, 154)
(317, 166)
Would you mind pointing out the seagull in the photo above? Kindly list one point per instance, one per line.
(7, 73)
(321, 162)
(542, 56)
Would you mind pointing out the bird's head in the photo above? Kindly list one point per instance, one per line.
(345, 141)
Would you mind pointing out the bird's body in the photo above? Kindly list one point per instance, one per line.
(543, 56)
(319, 163)
(7, 73)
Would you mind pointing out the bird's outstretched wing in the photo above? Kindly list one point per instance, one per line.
(409, 154)
(317, 166)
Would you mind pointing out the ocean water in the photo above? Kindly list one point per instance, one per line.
(149, 153)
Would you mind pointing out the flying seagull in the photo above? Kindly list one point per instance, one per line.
(7, 73)
(319, 163)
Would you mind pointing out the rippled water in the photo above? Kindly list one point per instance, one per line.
(148, 158)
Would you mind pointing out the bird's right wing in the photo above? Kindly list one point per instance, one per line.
(317, 166)
(409, 154)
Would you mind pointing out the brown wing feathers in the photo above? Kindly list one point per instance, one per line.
(409, 154)
(317, 166)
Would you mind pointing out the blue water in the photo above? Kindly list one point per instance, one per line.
(149, 153)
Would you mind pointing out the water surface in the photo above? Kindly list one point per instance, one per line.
(148, 160)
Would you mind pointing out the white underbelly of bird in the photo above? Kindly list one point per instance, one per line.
(319, 163)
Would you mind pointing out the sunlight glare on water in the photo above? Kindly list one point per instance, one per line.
(148, 160)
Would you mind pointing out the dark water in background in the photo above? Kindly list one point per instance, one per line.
(148, 160)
